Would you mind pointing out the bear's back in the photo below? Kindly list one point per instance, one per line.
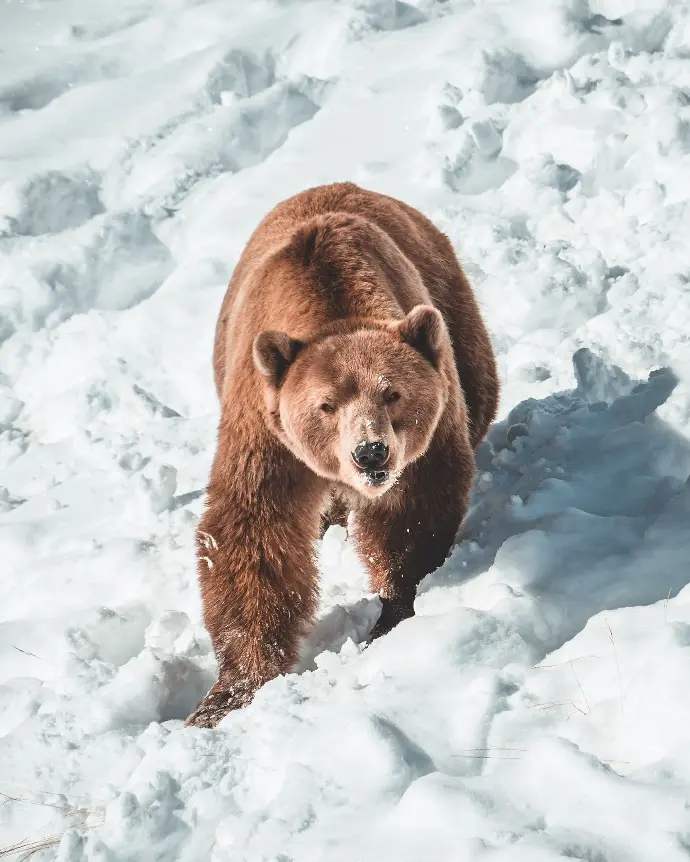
(345, 238)
(340, 251)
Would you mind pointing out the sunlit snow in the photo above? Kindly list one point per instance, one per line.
(538, 705)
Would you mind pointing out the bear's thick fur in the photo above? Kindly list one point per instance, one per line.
(355, 374)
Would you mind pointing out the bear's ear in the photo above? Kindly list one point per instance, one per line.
(424, 329)
(273, 353)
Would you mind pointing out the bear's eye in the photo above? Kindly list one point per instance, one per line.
(326, 407)
(392, 397)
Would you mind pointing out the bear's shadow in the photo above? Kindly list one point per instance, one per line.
(580, 500)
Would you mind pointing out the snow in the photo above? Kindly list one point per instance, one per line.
(536, 706)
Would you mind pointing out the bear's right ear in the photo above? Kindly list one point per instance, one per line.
(273, 353)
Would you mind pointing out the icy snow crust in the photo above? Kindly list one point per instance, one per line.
(537, 706)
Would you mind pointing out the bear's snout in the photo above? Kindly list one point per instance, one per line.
(371, 456)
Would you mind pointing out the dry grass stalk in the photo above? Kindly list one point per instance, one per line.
(28, 847)
(618, 669)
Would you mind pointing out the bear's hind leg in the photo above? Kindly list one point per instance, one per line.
(336, 514)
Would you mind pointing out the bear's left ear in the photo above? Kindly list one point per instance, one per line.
(273, 354)
(424, 329)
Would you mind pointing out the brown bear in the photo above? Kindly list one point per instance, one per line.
(355, 375)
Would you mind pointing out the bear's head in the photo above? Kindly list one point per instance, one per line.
(362, 399)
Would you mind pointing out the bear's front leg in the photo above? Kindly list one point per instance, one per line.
(257, 573)
(403, 540)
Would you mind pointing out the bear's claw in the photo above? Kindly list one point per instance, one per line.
(216, 705)
(392, 613)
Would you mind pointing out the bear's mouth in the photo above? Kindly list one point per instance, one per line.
(375, 478)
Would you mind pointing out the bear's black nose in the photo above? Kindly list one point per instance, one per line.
(370, 456)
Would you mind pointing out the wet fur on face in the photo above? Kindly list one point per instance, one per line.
(355, 383)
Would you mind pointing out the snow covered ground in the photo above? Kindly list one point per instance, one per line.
(537, 707)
